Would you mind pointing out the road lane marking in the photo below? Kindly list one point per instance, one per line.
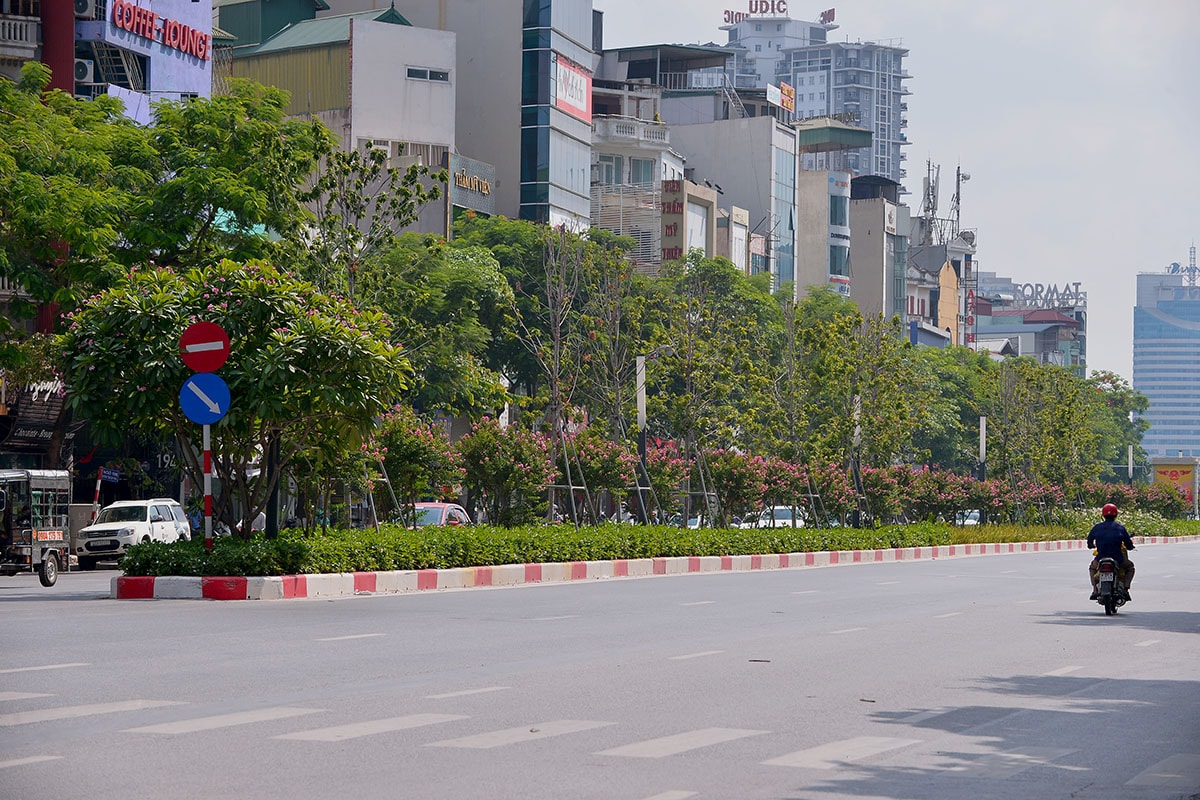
(887, 583)
(1181, 771)
(1168, 576)
(551, 619)
(1148, 642)
(699, 603)
(696, 655)
(674, 794)
(1022, 602)
(20, 762)
(924, 715)
(45, 666)
(834, 754)
(1007, 571)
(951, 614)
(340, 733)
(848, 630)
(1054, 673)
(225, 720)
(541, 730)
(465, 692)
(22, 695)
(71, 712)
(809, 591)
(997, 766)
(680, 743)
(354, 636)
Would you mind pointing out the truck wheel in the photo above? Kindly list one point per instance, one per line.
(48, 571)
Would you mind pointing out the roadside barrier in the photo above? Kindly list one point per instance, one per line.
(289, 587)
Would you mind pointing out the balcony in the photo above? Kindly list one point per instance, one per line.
(19, 37)
(630, 131)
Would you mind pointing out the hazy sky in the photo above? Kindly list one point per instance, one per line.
(1078, 121)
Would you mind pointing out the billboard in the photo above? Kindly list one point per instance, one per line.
(572, 88)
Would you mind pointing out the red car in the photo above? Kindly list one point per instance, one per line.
(440, 514)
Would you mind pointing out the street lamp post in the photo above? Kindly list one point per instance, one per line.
(643, 474)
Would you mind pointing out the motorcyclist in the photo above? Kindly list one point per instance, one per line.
(1110, 540)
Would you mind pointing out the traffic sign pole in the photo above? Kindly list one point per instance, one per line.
(208, 543)
(96, 496)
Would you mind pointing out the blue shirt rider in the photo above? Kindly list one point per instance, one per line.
(1110, 539)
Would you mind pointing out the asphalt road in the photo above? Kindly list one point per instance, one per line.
(987, 677)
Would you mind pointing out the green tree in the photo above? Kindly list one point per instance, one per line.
(307, 373)
(69, 171)
(419, 460)
(448, 306)
(361, 202)
(228, 171)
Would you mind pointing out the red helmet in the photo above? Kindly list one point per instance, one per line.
(1109, 510)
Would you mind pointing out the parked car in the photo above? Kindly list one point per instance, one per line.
(440, 514)
(780, 517)
(125, 523)
(968, 517)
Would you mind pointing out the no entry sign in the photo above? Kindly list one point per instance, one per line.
(204, 346)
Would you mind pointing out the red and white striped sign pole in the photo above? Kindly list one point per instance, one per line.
(207, 490)
(96, 496)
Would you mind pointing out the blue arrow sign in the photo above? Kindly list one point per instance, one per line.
(204, 398)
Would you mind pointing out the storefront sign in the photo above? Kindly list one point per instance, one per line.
(672, 209)
(1037, 295)
(168, 32)
(573, 92)
(472, 184)
(768, 7)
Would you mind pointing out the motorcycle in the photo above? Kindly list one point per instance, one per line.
(1110, 591)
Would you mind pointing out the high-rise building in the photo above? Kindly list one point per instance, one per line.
(523, 86)
(1166, 359)
(864, 81)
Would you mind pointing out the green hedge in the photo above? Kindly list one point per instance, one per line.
(395, 548)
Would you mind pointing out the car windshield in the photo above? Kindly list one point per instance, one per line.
(428, 515)
(781, 512)
(122, 514)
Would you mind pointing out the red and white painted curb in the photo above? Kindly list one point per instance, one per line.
(345, 584)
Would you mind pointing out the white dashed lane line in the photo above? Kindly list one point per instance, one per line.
(20, 762)
(847, 630)
(465, 692)
(44, 666)
(701, 654)
(1055, 673)
(354, 636)
(1148, 643)
(699, 603)
(947, 616)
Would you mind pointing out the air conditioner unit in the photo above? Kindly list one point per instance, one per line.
(85, 9)
(85, 70)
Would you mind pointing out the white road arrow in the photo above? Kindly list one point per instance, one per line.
(201, 347)
(208, 401)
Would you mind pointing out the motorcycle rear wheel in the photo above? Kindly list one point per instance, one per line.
(1110, 606)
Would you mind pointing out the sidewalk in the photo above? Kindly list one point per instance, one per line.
(289, 587)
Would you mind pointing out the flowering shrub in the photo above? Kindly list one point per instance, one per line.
(419, 459)
(667, 470)
(739, 481)
(507, 471)
(831, 484)
(607, 466)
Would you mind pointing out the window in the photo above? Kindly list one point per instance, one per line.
(839, 210)
(641, 171)
(758, 48)
(611, 169)
(428, 74)
(839, 260)
(779, 27)
(758, 27)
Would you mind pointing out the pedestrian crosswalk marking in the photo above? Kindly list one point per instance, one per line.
(680, 743)
(541, 730)
(674, 794)
(225, 720)
(998, 766)
(20, 762)
(44, 666)
(1058, 673)
(834, 754)
(339, 733)
(1180, 771)
(22, 695)
(71, 712)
